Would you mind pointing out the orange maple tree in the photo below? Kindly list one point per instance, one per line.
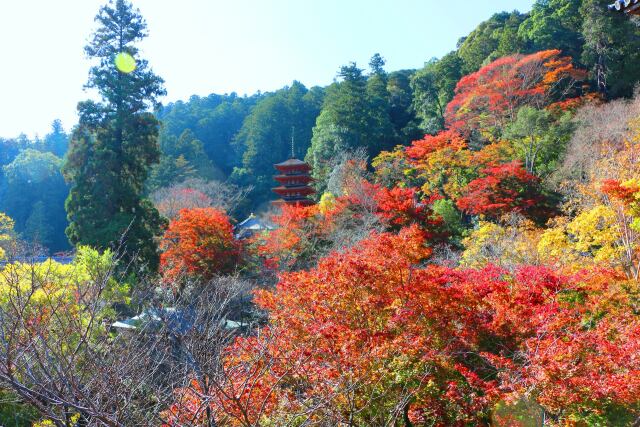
(199, 243)
(503, 189)
(301, 231)
(370, 334)
(490, 97)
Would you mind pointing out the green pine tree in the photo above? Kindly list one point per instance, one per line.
(115, 144)
(38, 228)
(356, 113)
(611, 48)
(57, 142)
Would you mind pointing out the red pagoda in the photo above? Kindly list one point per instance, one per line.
(294, 179)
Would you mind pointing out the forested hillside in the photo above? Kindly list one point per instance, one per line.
(471, 258)
(377, 109)
(237, 139)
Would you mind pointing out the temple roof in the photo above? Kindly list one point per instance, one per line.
(253, 223)
(299, 188)
(300, 177)
(292, 162)
(627, 6)
(251, 226)
(301, 202)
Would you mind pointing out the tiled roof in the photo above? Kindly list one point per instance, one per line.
(627, 6)
(292, 162)
(253, 223)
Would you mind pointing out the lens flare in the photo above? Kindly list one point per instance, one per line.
(125, 63)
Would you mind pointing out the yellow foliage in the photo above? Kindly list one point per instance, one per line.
(48, 423)
(6, 227)
(588, 239)
(554, 243)
(503, 245)
(391, 167)
(595, 232)
(327, 203)
(447, 170)
(51, 288)
(633, 207)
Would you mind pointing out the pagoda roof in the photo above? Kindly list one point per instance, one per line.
(300, 188)
(631, 7)
(291, 163)
(302, 202)
(281, 178)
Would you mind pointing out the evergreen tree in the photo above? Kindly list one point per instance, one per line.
(554, 24)
(493, 38)
(433, 87)
(57, 142)
(265, 137)
(215, 120)
(356, 113)
(182, 157)
(382, 135)
(342, 123)
(611, 48)
(38, 227)
(34, 187)
(115, 143)
(401, 110)
(376, 65)
(170, 170)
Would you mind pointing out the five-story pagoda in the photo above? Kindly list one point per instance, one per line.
(294, 178)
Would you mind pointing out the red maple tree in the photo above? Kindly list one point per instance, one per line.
(490, 97)
(369, 335)
(199, 243)
(504, 189)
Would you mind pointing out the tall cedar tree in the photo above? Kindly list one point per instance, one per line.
(355, 113)
(115, 143)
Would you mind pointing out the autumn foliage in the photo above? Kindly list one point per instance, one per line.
(199, 243)
(370, 336)
(358, 336)
(371, 324)
(503, 189)
(303, 231)
(491, 96)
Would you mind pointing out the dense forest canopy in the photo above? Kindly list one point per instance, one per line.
(471, 256)
(237, 139)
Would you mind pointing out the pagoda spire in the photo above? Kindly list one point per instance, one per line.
(293, 151)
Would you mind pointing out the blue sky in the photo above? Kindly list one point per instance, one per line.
(205, 46)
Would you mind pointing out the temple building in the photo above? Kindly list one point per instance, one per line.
(251, 227)
(631, 7)
(294, 178)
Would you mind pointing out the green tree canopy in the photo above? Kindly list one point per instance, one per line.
(356, 113)
(35, 194)
(493, 38)
(265, 137)
(57, 141)
(115, 143)
(554, 24)
(611, 48)
(433, 88)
